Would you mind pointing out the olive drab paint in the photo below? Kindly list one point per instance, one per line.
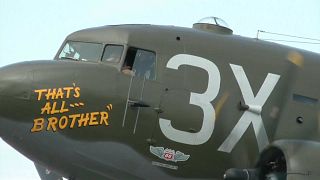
(178, 103)
(204, 101)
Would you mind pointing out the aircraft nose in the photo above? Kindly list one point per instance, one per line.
(15, 82)
(15, 90)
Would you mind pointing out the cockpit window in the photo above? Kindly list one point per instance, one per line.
(81, 51)
(112, 53)
(140, 63)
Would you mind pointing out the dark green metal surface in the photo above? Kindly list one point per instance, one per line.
(121, 148)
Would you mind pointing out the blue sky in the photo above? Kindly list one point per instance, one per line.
(32, 30)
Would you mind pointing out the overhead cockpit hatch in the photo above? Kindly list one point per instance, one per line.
(214, 25)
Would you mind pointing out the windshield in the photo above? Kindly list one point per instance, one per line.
(81, 51)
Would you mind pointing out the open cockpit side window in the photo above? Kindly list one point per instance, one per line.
(140, 63)
(81, 51)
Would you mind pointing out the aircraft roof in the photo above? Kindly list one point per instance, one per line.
(155, 37)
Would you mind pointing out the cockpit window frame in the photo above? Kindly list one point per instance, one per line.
(119, 64)
(104, 45)
(124, 50)
(67, 41)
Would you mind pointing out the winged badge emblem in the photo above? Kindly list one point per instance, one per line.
(168, 154)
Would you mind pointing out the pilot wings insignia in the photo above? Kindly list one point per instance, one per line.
(168, 154)
(158, 151)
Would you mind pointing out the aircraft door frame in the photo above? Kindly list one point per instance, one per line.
(142, 97)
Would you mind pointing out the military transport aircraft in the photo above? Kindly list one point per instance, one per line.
(165, 102)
